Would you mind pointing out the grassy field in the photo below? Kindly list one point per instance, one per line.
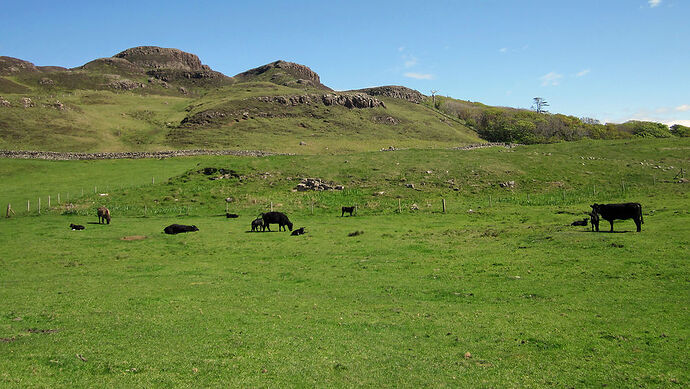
(507, 295)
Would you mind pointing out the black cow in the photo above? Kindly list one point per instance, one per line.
(623, 211)
(178, 228)
(582, 222)
(276, 218)
(299, 231)
(76, 227)
(232, 215)
(347, 209)
(258, 223)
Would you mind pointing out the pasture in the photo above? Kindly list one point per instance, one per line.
(507, 295)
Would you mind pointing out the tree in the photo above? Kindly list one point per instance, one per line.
(433, 97)
(539, 105)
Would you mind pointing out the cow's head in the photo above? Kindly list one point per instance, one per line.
(595, 208)
(289, 225)
(194, 228)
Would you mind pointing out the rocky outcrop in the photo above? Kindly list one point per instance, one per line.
(27, 102)
(113, 64)
(4, 103)
(316, 184)
(125, 84)
(49, 155)
(153, 57)
(300, 74)
(357, 100)
(10, 65)
(396, 92)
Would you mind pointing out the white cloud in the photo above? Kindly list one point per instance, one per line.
(682, 122)
(410, 61)
(582, 73)
(420, 76)
(683, 108)
(401, 48)
(654, 3)
(551, 79)
(503, 49)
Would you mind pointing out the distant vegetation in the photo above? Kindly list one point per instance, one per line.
(503, 124)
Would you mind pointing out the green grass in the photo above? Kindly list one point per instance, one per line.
(535, 301)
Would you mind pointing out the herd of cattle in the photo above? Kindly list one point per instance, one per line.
(608, 212)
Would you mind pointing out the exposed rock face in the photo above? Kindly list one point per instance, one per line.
(396, 92)
(10, 65)
(124, 84)
(46, 81)
(27, 103)
(117, 65)
(162, 58)
(316, 184)
(302, 74)
(358, 100)
(4, 103)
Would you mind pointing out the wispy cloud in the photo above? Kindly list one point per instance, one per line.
(683, 108)
(410, 61)
(420, 76)
(503, 49)
(401, 48)
(551, 79)
(654, 3)
(582, 73)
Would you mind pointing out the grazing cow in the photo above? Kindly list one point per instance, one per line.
(347, 209)
(178, 228)
(103, 215)
(232, 215)
(276, 218)
(582, 222)
(611, 212)
(299, 231)
(258, 223)
(76, 227)
(594, 220)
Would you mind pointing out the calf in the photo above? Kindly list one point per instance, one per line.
(299, 231)
(582, 222)
(178, 228)
(276, 218)
(258, 223)
(232, 215)
(347, 209)
(103, 215)
(594, 220)
(76, 227)
(611, 212)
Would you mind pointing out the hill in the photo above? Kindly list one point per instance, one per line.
(151, 98)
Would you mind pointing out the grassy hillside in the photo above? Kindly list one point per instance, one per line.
(507, 295)
(151, 99)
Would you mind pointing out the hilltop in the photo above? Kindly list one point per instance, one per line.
(151, 98)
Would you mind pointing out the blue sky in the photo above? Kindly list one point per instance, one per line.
(613, 60)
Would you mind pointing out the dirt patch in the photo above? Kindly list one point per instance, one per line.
(133, 237)
(6, 340)
(38, 331)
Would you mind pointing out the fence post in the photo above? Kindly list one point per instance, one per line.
(28, 209)
(94, 189)
(48, 201)
(444, 205)
(489, 200)
(271, 206)
(153, 180)
(39, 205)
(355, 209)
(594, 190)
(623, 186)
(399, 208)
(312, 206)
(58, 198)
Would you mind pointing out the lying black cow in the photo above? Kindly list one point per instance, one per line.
(582, 222)
(623, 211)
(232, 215)
(347, 209)
(178, 228)
(299, 231)
(276, 218)
(76, 227)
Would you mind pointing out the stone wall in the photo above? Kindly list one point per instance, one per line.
(56, 156)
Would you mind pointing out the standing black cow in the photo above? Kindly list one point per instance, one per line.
(276, 218)
(347, 209)
(623, 211)
(257, 224)
(178, 228)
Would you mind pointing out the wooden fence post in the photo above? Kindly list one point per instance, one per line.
(355, 209)
(399, 208)
(444, 205)
(312, 206)
(28, 209)
(48, 201)
(489, 200)
(39, 205)
(58, 198)
(271, 206)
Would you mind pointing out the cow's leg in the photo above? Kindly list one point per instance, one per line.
(638, 223)
(611, 221)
